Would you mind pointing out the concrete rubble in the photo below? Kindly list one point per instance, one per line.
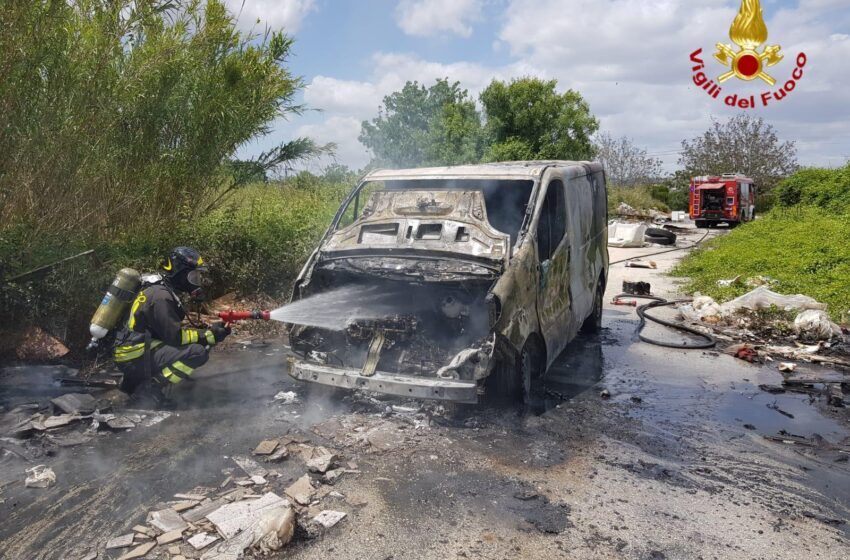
(40, 476)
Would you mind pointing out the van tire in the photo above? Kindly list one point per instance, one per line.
(593, 323)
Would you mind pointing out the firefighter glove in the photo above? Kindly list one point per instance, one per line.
(220, 331)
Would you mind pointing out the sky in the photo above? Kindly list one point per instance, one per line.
(629, 59)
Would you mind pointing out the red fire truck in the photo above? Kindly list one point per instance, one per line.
(728, 198)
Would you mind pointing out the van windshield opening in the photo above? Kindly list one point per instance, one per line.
(505, 200)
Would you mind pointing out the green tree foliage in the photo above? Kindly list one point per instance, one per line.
(123, 114)
(421, 126)
(744, 144)
(528, 119)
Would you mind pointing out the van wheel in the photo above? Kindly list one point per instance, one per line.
(503, 384)
(593, 323)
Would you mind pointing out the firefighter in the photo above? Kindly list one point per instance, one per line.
(153, 349)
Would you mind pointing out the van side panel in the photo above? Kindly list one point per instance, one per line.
(582, 262)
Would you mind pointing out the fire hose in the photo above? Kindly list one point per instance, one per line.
(232, 316)
(710, 341)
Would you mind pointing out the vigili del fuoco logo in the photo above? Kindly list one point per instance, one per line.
(750, 61)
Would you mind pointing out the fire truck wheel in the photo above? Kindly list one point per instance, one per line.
(700, 223)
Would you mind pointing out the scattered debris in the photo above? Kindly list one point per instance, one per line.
(250, 467)
(202, 540)
(328, 518)
(637, 288)
(731, 282)
(170, 537)
(120, 423)
(621, 234)
(814, 324)
(266, 447)
(232, 518)
(787, 366)
(637, 263)
(287, 397)
(744, 352)
(301, 490)
(55, 421)
(166, 520)
(123, 541)
(774, 406)
(40, 476)
(321, 463)
(139, 552)
(75, 403)
(605, 393)
(835, 395)
(274, 530)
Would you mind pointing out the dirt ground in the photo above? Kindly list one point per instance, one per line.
(672, 464)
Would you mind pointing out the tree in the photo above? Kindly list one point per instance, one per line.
(420, 126)
(527, 119)
(743, 144)
(625, 164)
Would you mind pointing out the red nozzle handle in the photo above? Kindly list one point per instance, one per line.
(230, 316)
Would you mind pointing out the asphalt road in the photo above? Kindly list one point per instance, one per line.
(663, 468)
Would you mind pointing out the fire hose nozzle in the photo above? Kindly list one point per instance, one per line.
(618, 301)
(256, 315)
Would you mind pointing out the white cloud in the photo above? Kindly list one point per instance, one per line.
(342, 131)
(433, 17)
(276, 14)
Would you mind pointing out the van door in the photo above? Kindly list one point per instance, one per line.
(553, 254)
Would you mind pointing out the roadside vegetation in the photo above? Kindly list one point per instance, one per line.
(802, 243)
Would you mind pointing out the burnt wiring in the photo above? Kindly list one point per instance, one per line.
(710, 341)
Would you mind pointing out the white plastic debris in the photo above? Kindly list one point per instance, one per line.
(287, 397)
(328, 518)
(786, 367)
(40, 476)
(232, 518)
(274, 530)
(814, 324)
(702, 308)
(762, 298)
(621, 234)
(730, 282)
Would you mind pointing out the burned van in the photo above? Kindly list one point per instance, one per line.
(454, 282)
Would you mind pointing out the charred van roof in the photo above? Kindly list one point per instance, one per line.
(501, 170)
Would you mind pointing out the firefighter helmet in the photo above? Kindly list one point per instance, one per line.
(184, 267)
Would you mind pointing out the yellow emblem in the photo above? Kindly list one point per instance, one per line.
(748, 31)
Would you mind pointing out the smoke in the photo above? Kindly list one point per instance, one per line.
(336, 308)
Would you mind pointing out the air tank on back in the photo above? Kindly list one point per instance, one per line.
(118, 298)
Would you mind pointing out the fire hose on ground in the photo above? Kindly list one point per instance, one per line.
(710, 341)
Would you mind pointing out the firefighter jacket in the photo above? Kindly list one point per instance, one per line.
(156, 310)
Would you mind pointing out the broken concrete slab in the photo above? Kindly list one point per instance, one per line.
(174, 550)
(144, 530)
(266, 447)
(198, 513)
(232, 518)
(202, 540)
(250, 467)
(166, 520)
(328, 518)
(170, 537)
(194, 497)
(301, 490)
(139, 552)
(281, 453)
(180, 507)
(123, 541)
(259, 480)
(54, 421)
(321, 463)
(75, 403)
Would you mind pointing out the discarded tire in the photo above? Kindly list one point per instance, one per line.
(659, 240)
(658, 232)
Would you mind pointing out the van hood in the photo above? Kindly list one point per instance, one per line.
(428, 224)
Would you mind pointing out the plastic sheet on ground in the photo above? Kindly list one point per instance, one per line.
(705, 309)
(626, 235)
(815, 324)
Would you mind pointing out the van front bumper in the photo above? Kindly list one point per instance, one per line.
(387, 383)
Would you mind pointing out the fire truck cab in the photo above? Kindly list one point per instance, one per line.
(728, 198)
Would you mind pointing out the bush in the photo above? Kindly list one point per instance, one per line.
(639, 198)
(825, 188)
(807, 253)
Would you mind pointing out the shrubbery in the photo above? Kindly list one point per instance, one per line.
(828, 189)
(639, 198)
